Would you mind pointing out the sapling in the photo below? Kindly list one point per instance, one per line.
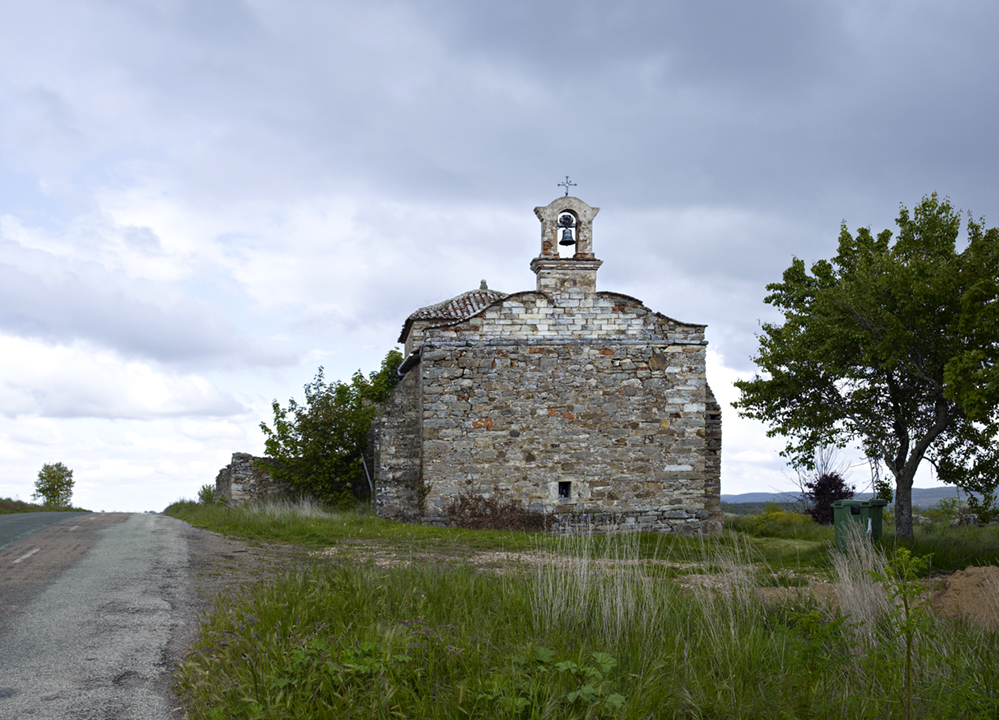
(901, 580)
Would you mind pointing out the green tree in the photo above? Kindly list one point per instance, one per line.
(319, 444)
(893, 344)
(54, 484)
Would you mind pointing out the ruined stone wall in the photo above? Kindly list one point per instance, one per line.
(398, 480)
(592, 407)
(712, 455)
(242, 481)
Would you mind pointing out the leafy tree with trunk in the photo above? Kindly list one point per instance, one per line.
(319, 445)
(894, 344)
(54, 484)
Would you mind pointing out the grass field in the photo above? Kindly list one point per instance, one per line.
(403, 622)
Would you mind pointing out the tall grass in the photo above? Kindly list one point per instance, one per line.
(288, 509)
(310, 524)
(858, 594)
(592, 630)
(953, 548)
(597, 583)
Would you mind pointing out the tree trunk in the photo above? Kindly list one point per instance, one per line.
(905, 475)
(903, 503)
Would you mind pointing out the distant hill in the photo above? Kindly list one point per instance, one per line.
(921, 497)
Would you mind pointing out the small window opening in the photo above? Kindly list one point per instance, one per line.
(565, 489)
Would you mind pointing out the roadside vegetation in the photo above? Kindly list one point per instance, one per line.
(54, 485)
(9, 506)
(318, 445)
(394, 620)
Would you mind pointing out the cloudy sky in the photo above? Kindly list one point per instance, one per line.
(202, 201)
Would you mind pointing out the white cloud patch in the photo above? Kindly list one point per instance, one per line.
(751, 462)
(58, 381)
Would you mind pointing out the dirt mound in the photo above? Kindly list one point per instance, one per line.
(973, 593)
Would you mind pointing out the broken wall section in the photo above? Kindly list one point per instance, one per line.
(399, 489)
(246, 479)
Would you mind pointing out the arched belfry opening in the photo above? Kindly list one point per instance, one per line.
(566, 263)
(568, 225)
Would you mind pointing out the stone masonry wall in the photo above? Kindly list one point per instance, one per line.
(399, 484)
(242, 481)
(712, 456)
(592, 407)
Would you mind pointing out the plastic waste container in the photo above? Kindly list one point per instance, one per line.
(865, 513)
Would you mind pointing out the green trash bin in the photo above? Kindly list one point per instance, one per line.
(865, 513)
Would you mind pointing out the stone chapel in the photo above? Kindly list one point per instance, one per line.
(566, 399)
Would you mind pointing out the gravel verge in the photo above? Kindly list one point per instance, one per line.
(220, 566)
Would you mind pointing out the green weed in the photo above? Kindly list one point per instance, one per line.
(952, 547)
(598, 627)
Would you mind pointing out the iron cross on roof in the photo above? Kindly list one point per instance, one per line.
(567, 185)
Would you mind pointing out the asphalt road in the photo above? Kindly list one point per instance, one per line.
(87, 607)
(18, 525)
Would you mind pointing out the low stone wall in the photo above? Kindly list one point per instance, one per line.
(246, 479)
(684, 522)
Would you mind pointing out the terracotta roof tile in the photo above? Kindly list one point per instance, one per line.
(457, 308)
(460, 307)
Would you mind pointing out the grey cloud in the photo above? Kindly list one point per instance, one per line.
(813, 112)
(86, 302)
(761, 44)
(142, 238)
(772, 104)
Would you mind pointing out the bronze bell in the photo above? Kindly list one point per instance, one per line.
(567, 238)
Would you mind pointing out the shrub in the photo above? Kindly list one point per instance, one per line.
(207, 495)
(822, 492)
(945, 510)
(319, 445)
(16, 505)
(775, 521)
(476, 512)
